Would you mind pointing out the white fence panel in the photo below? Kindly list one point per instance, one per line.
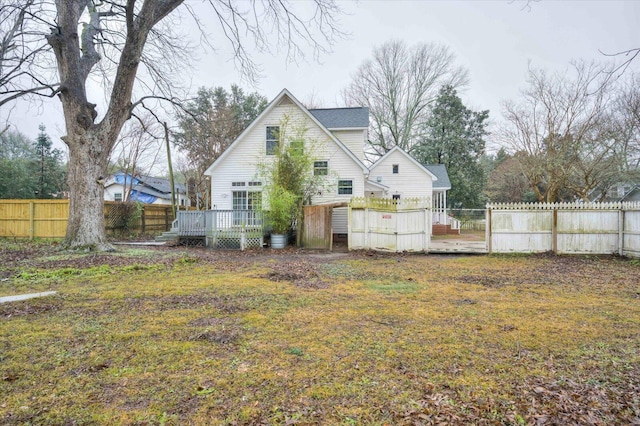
(521, 231)
(587, 231)
(631, 233)
(389, 225)
(565, 228)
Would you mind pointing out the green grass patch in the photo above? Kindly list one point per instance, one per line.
(178, 338)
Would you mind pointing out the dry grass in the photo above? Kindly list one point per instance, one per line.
(200, 337)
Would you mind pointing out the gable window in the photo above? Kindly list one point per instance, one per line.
(395, 169)
(345, 187)
(117, 196)
(273, 133)
(320, 168)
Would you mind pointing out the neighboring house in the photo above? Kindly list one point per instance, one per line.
(620, 192)
(339, 137)
(144, 189)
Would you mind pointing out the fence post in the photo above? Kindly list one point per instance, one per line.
(31, 220)
(166, 219)
(554, 231)
(144, 219)
(621, 231)
(488, 230)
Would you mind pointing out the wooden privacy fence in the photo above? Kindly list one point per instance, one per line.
(564, 228)
(390, 225)
(48, 218)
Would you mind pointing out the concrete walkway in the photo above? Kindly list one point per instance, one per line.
(25, 296)
(457, 246)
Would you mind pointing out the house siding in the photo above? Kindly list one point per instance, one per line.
(242, 163)
(354, 140)
(411, 180)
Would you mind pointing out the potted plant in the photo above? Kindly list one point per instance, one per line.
(280, 214)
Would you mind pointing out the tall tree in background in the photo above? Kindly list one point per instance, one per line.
(30, 169)
(48, 165)
(209, 124)
(398, 86)
(454, 136)
(112, 41)
(561, 130)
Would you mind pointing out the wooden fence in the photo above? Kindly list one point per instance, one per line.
(565, 228)
(390, 225)
(48, 218)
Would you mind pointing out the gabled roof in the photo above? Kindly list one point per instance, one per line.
(434, 178)
(267, 110)
(440, 171)
(342, 118)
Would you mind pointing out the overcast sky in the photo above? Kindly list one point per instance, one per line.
(496, 40)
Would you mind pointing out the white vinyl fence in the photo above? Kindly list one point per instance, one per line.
(390, 225)
(564, 228)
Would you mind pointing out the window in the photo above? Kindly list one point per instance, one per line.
(297, 147)
(396, 196)
(117, 196)
(320, 168)
(273, 133)
(238, 183)
(245, 206)
(395, 168)
(345, 187)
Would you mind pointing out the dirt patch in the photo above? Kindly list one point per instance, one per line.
(299, 272)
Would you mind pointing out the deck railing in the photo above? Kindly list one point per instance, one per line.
(222, 228)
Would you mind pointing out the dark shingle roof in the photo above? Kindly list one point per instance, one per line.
(342, 118)
(161, 184)
(440, 171)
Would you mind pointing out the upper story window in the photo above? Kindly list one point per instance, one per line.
(345, 187)
(297, 146)
(117, 196)
(395, 168)
(273, 136)
(320, 168)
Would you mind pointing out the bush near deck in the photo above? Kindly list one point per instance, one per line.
(174, 336)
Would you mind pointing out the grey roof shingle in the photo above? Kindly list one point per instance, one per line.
(440, 171)
(342, 118)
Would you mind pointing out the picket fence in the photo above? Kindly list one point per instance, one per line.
(564, 228)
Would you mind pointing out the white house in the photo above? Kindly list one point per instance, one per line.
(336, 139)
(122, 186)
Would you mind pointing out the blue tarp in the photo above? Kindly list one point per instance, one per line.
(122, 180)
(142, 197)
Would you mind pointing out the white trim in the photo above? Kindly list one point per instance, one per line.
(337, 129)
(413, 160)
(268, 109)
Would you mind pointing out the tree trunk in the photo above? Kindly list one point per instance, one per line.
(86, 175)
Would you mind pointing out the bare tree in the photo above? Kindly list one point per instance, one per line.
(560, 131)
(139, 149)
(23, 50)
(397, 85)
(121, 40)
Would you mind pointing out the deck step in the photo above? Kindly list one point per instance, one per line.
(167, 236)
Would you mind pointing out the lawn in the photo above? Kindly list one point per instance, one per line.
(194, 336)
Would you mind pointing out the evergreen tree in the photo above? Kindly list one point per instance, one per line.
(48, 169)
(455, 138)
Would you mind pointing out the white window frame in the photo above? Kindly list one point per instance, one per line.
(342, 186)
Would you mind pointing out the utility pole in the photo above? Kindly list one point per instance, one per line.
(171, 181)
